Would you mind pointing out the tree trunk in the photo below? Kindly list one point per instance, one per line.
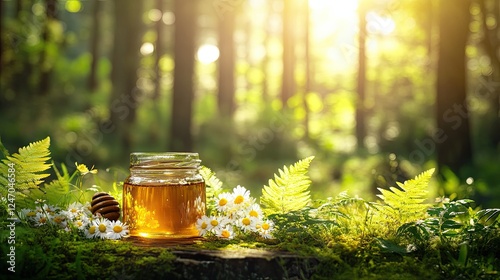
(183, 91)
(288, 81)
(1, 42)
(158, 51)
(46, 71)
(307, 61)
(125, 60)
(492, 92)
(226, 64)
(361, 79)
(453, 135)
(94, 44)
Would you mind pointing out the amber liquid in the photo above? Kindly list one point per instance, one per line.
(163, 211)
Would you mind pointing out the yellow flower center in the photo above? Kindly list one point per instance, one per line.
(42, 220)
(92, 230)
(79, 223)
(265, 226)
(254, 213)
(58, 220)
(73, 210)
(239, 199)
(204, 225)
(102, 228)
(117, 228)
(214, 223)
(31, 214)
(222, 202)
(246, 221)
(226, 234)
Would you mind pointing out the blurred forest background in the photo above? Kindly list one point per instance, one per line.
(377, 90)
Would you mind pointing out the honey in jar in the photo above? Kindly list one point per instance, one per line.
(164, 195)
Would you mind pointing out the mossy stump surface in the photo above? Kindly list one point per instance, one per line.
(240, 263)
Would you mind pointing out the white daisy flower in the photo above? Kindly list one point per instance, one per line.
(74, 210)
(203, 225)
(118, 230)
(103, 226)
(225, 232)
(81, 222)
(91, 231)
(39, 201)
(248, 224)
(30, 214)
(224, 202)
(50, 209)
(59, 220)
(255, 211)
(266, 228)
(241, 197)
(217, 223)
(40, 219)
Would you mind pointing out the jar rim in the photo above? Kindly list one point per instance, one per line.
(179, 159)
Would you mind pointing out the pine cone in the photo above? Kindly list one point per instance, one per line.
(106, 205)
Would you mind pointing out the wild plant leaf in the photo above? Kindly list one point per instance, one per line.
(488, 216)
(289, 191)
(391, 247)
(3, 150)
(214, 185)
(29, 164)
(414, 230)
(406, 203)
(57, 192)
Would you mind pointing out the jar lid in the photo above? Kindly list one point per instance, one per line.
(165, 160)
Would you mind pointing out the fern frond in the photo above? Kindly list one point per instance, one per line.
(3, 150)
(29, 163)
(57, 192)
(406, 203)
(289, 191)
(214, 185)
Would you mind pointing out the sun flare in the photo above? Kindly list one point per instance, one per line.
(337, 7)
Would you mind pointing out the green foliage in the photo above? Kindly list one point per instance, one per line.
(28, 166)
(289, 191)
(461, 237)
(347, 235)
(353, 215)
(406, 204)
(58, 191)
(214, 185)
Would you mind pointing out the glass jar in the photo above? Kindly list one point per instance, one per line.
(164, 195)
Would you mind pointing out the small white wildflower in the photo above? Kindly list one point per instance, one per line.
(225, 232)
(81, 222)
(59, 220)
(266, 229)
(39, 201)
(411, 248)
(74, 210)
(40, 219)
(103, 226)
(203, 225)
(241, 196)
(255, 211)
(91, 231)
(248, 224)
(224, 202)
(118, 230)
(217, 223)
(30, 214)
